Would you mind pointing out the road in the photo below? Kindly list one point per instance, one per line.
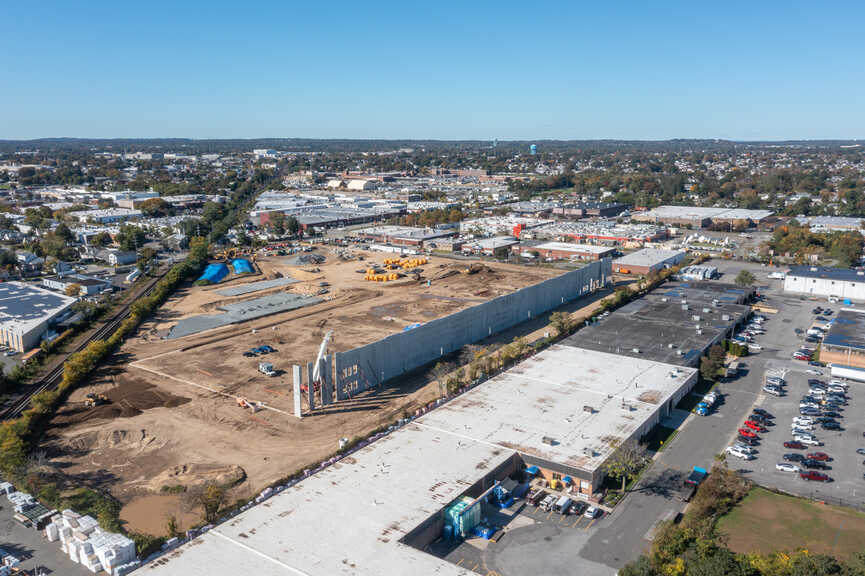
(629, 529)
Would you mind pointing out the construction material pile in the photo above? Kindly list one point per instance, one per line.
(86, 543)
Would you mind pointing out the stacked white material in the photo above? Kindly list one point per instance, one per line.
(125, 568)
(112, 549)
(11, 561)
(82, 539)
(6, 488)
(21, 501)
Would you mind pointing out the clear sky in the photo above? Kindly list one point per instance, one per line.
(759, 69)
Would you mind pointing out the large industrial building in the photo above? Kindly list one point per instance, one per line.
(389, 499)
(565, 251)
(647, 260)
(676, 323)
(821, 281)
(701, 216)
(26, 312)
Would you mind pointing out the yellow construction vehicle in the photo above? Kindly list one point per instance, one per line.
(93, 399)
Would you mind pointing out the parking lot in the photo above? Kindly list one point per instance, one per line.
(533, 541)
(785, 333)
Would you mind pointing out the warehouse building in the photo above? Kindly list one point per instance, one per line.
(702, 216)
(647, 260)
(675, 324)
(844, 344)
(404, 235)
(26, 312)
(565, 251)
(106, 216)
(388, 499)
(821, 281)
(590, 209)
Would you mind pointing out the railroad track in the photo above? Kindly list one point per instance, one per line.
(52, 379)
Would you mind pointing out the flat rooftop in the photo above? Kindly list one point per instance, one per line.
(24, 306)
(648, 257)
(545, 396)
(656, 327)
(567, 247)
(847, 330)
(824, 272)
(703, 212)
(350, 518)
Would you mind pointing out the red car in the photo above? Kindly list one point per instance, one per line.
(794, 445)
(754, 426)
(819, 456)
(814, 475)
(747, 433)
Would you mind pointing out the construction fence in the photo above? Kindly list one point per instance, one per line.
(369, 366)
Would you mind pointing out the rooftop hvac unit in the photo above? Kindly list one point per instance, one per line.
(664, 299)
(548, 440)
(705, 310)
(684, 301)
(725, 317)
(684, 306)
(635, 350)
(670, 345)
(679, 353)
(699, 331)
(589, 409)
(695, 318)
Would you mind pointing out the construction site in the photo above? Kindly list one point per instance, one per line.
(292, 357)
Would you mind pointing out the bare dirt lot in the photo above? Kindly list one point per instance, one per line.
(173, 420)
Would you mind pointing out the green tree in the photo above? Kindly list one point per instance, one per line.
(745, 279)
(146, 257)
(101, 239)
(562, 322)
(130, 238)
(626, 462)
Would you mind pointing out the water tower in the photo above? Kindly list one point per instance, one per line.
(533, 149)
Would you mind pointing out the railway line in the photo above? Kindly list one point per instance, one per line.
(52, 379)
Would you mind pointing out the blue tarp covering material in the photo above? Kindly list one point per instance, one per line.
(214, 273)
(568, 480)
(533, 470)
(411, 326)
(241, 266)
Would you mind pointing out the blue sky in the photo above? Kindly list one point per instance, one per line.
(446, 70)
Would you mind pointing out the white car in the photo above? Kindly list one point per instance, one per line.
(786, 467)
(840, 383)
(813, 371)
(838, 389)
(809, 405)
(801, 429)
(744, 448)
(803, 420)
(591, 512)
(754, 347)
(809, 440)
(733, 451)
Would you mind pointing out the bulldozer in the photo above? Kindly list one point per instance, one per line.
(94, 399)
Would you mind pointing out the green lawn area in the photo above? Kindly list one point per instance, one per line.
(765, 522)
(658, 437)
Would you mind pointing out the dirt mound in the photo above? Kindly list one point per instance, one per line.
(130, 398)
(193, 475)
(127, 440)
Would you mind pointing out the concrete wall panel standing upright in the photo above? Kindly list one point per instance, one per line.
(370, 365)
(295, 375)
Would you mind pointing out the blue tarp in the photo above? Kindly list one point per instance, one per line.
(411, 327)
(214, 273)
(241, 266)
(533, 470)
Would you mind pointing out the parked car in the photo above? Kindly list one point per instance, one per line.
(794, 445)
(762, 412)
(733, 451)
(814, 464)
(744, 448)
(773, 390)
(793, 457)
(809, 440)
(830, 426)
(592, 512)
(814, 476)
(831, 414)
(747, 433)
(536, 496)
(746, 440)
(821, 456)
(786, 467)
(755, 426)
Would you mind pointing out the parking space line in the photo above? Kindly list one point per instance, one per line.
(475, 567)
(577, 521)
(550, 514)
(461, 561)
(589, 525)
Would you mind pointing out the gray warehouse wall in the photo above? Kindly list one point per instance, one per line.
(370, 365)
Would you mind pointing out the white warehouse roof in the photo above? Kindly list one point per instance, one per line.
(350, 517)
